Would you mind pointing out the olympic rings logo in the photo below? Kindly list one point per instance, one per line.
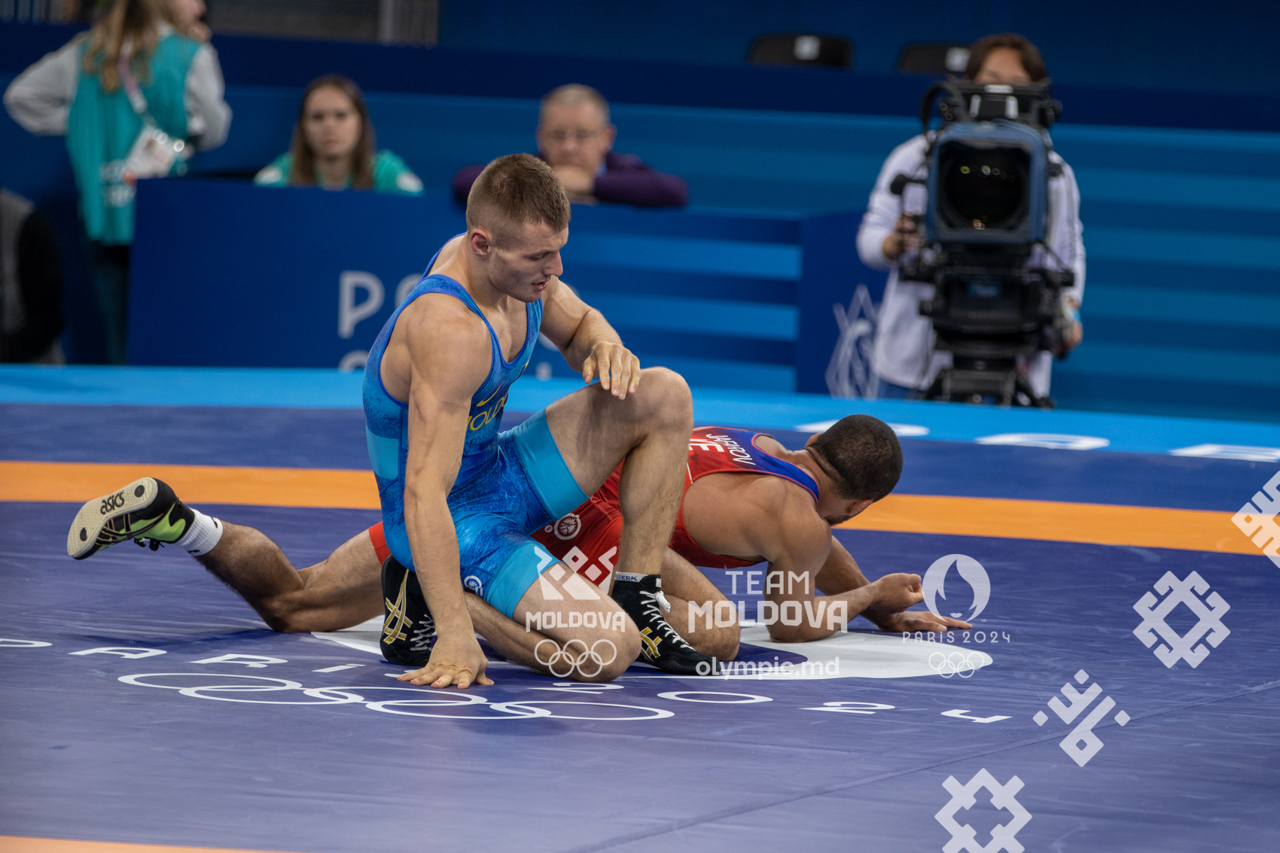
(249, 689)
(567, 659)
(963, 664)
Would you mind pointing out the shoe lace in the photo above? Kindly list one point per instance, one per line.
(143, 542)
(652, 606)
(422, 636)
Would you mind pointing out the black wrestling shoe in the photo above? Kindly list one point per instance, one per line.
(660, 645)
(408, 631)
(145, 510)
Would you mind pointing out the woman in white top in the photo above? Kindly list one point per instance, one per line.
(145, 67)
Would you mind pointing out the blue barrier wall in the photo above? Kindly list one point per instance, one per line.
(236, 275)
(1176, 322)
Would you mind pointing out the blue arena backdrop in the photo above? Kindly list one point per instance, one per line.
(226, 274)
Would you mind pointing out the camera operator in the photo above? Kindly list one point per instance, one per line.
(905, 362)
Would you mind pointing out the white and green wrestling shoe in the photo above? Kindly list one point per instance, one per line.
(146, 511)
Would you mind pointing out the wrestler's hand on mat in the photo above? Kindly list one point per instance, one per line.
(896, 592)
(458, 661)
(909, 621)
(617, 367)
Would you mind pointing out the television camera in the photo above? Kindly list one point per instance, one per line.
(995, 300)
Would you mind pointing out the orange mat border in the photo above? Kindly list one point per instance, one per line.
(1056, 521)
(76, 482)
(17, 844)
(1103, 524)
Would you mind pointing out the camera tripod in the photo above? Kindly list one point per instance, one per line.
(975, 380)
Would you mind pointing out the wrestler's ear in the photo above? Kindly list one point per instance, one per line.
(481, 243)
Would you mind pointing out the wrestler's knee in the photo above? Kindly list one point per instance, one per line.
(628, 643)
(607, 657)
(717, 636)
(290, 614)
(719, 643)
(281, 617)
(665, 397)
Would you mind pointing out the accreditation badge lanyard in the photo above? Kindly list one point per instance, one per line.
(154, 152)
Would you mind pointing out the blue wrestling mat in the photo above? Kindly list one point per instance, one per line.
(1111, 697)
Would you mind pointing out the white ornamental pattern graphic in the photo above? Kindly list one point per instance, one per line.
(1257, 519)
(1188, 647)
(964, 837)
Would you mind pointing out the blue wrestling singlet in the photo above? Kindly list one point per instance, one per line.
(508, 484)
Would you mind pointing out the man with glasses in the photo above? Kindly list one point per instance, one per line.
(576, 139)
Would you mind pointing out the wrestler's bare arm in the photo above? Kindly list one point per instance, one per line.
(446, 353)
(777, 522)
(840, 574)
(807, 558)
(587, 341)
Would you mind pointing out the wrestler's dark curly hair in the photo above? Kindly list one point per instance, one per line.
(862, 456)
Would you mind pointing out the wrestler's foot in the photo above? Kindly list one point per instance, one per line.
(660, 645)
(146, 510)
(408, 631)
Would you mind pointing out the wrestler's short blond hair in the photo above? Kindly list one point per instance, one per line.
(514, 190)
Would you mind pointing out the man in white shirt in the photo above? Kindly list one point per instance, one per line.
(904, 361)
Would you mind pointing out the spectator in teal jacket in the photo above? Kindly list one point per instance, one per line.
(144, 63)
(333, 146)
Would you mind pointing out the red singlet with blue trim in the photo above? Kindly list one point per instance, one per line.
(719, 450)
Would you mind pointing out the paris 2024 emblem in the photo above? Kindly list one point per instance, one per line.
(970, 571)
